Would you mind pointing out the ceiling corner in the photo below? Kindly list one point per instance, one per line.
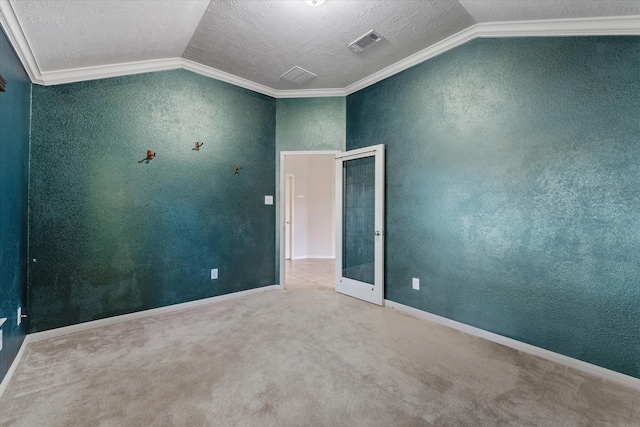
(18, 40)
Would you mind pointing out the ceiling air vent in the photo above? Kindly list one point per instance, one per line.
(365, 42)
(298, 76)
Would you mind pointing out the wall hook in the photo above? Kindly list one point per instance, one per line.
(236, 169)
(150, 156)
(198, 145)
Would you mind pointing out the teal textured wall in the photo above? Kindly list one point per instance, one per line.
(307, 124)
(513, 190)
(15, 111)
(112, 236)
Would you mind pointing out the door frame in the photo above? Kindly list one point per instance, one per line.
(282, 221)
(289, 205)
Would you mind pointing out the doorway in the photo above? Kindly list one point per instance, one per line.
(355, 233)
(307, 213)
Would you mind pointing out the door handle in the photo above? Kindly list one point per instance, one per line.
(378, 233)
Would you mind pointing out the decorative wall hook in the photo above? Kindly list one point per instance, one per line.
(236, 169)
(198, 145)
(150, 156)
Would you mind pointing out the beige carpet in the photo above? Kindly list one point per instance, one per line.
(305, 356)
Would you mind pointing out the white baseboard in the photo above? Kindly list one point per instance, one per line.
(296, 258)
(580, 365)
(39, 336)
(14, 365)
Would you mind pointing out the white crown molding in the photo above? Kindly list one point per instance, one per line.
(618, 25)
(436, 49)
(75, 75)
(600, 26)
(207, 71)
(561, 359)
(18, 40)
(310, 93)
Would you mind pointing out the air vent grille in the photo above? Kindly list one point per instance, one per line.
(298, 76)
(365, 42)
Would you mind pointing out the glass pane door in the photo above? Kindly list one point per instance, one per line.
(359, 223)
(358, 216)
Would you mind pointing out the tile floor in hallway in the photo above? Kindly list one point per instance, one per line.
(310, 272)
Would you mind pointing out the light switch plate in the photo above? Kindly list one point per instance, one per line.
(268, 200)
(214, 273)
(19, 315)
(416, 283)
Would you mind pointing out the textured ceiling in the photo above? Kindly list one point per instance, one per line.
(72, 34)
(261, 40)
(258, 40)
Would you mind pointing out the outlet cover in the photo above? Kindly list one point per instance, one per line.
(268, 200)
(214, 273)
(19, 315)
(416, 283)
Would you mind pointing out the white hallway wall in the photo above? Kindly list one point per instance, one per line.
(314, 205)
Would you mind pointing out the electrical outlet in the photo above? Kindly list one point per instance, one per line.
(19, 315)
(214, 273)
(416, 283)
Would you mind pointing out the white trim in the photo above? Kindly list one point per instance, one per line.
(598, 26)
(52, 333)
(359, 152)
(74, 75)
(228, 78)
(580, 365)
(4, 319)
(618, 25)
(436, 49)
(319, 257)
(289, 204)
(615, 25)
(14, 365)
(281, 208)
(309, 93)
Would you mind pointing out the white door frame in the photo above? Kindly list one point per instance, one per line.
(282, 225)
(288, 205)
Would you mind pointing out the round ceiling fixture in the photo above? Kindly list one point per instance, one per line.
(314, 3)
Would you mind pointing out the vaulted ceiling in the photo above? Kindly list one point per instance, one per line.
(253, 42)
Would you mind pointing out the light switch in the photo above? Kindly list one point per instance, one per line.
(268, 200)
(416, 283)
